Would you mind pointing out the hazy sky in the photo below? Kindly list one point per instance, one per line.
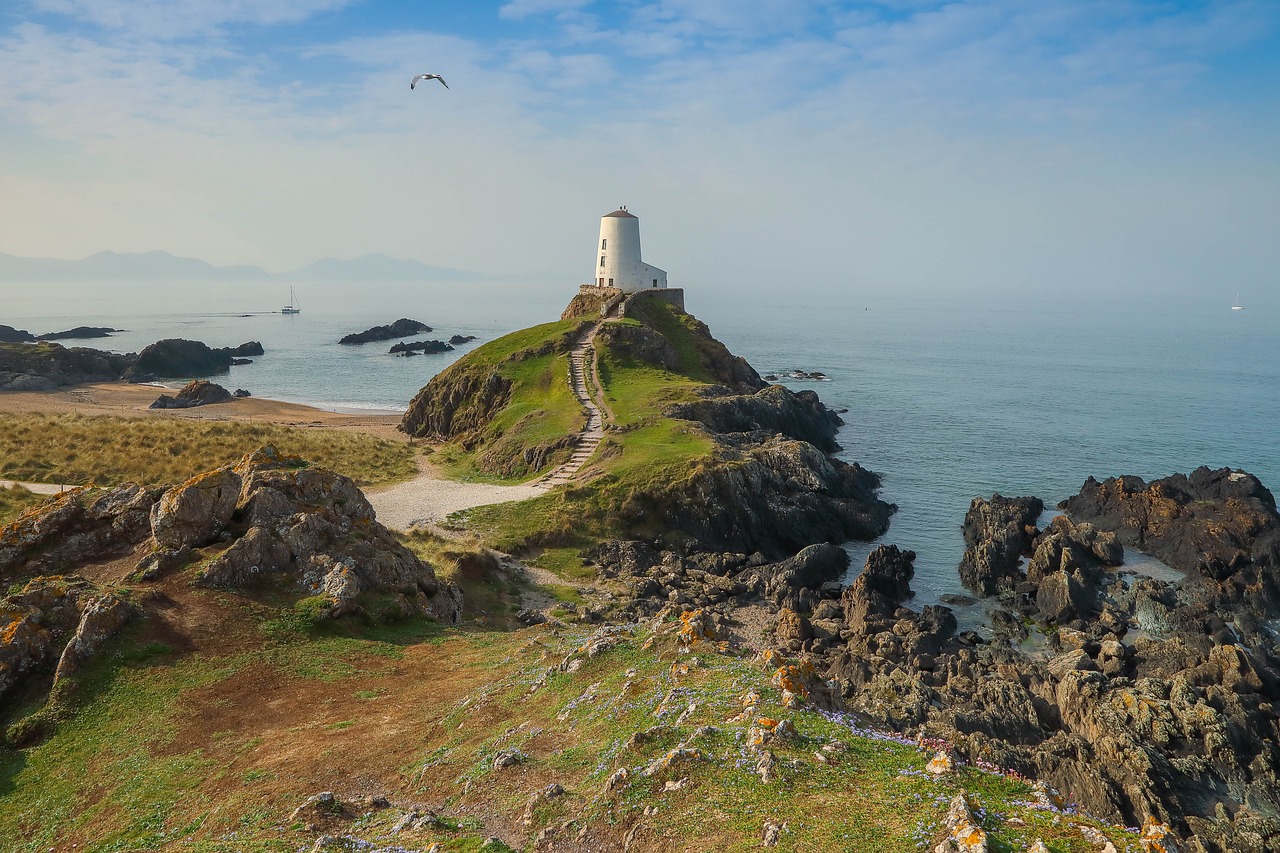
(898, 146)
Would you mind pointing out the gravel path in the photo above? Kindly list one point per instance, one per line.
(426, 499)
(38, 488)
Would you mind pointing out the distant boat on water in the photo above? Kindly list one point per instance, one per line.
(1236, 306)
(292, 307)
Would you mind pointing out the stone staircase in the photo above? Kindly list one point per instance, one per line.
(581, 363)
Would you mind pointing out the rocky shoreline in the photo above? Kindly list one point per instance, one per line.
(1138, 698)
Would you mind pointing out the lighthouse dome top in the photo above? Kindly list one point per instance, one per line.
(622, 214)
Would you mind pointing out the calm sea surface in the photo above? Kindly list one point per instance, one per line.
(946, 399)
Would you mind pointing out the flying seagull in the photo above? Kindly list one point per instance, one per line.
(418, 77)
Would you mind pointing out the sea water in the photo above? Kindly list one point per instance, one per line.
(946, 399)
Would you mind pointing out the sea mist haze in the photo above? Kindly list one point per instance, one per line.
(947, 399)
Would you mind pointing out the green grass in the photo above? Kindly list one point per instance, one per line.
(164, 451)
(114, 775)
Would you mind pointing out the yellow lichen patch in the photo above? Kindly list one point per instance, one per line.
(696, 625)
(794, 677)
(767, 722)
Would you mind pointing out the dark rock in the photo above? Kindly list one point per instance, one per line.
(245, 349)
(996, 535)
(10, 335)
(79, 332)
(176, 357)
(776, 496)
(197, 392)
(44, 366)
(1209, 522)
(241, 361)
(776, 409)
(810, 568)
(461, 339)
(420, 347)
(623, 558)
(401, 328)
(885, 582)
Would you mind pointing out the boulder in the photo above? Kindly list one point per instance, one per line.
(246, 349)
(196, 512)
(457, 340)
(44, 366)
(197, 392)
(997, 533)
(813, 566)
(317, 529)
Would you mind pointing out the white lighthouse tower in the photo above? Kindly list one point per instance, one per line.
(618, 261)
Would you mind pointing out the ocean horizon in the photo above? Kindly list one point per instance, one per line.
(948, 399)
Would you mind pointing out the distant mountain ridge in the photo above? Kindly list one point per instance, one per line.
(160, 265)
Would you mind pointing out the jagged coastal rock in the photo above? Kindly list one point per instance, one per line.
(1151, 699)
(417, 347)
(45, 366)
(197, 392)
(401, 328)
(176, 357)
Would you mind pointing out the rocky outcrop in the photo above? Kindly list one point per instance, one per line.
(10, 335)
(1214, 522)
(401, 328)
(592, 302)
(54, 625)
(197, 392)
(1173, 724)
(79, 332)
(308, 527)
(774, 409)
(415, 347)
(245, 349)
(638, 343)
(176, 357)
(76, 527)
(457, 340)
(46, 366)
(457, 403)
(775, 497)
(996, 535)
(790, 583)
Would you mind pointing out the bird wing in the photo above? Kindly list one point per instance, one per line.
(441, 79)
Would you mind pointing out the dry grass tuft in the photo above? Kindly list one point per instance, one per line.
(109, 450)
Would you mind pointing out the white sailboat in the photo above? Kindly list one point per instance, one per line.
(1236, 306)
(292, 307)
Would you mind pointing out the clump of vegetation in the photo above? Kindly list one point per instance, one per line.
(108, 451)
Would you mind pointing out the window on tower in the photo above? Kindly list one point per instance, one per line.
(604, 243)
(602, 260)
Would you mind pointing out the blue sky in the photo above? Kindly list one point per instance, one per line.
(1000, 146)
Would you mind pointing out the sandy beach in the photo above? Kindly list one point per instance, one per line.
(123, 399)
(425, 498)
